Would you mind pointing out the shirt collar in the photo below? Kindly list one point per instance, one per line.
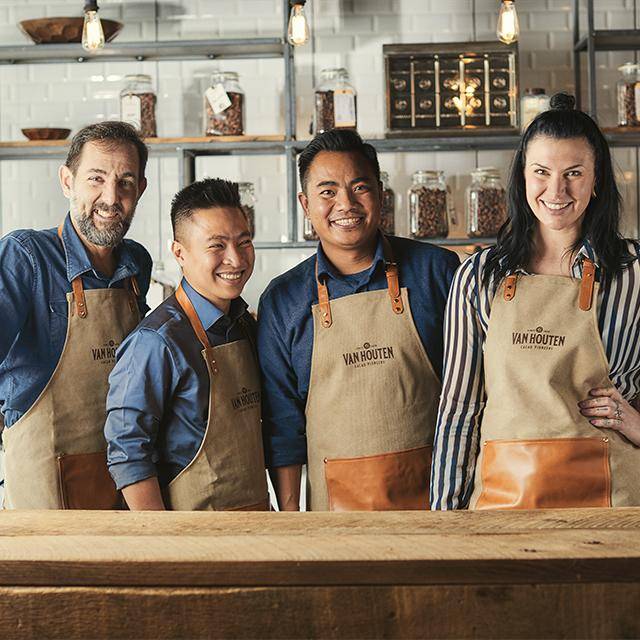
(207, 312)
(325, 268)
(78, 261)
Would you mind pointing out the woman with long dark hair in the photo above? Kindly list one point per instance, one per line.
(542, 353)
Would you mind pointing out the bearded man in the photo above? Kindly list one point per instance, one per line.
(68, 297)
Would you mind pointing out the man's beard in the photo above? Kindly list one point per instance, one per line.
(111, 234)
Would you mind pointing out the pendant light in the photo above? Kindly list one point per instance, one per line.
(92, 33)
(508, 28)
(298, 30)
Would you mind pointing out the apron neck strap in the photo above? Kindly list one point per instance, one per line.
(78, 288)
(585, 299)
(393, 286)
(187, 307)
(586, 285)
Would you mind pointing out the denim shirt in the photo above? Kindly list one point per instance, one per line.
(35, 276)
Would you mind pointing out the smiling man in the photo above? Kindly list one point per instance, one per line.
(183, 425)
(350, 345)
(68, 297)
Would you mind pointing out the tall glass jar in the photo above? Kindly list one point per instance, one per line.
(428, 205)
(248, 204)
(224, 105)
(335, 102)
(534, 101)
(388, 210)
(308, 232)
(138, 104)
(628, 90)
(486, 203)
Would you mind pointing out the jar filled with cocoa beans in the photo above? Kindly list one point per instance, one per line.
(628, 90)
(534, 101)
(248, 204)
(138, 105)
(308, 232)
(486, 203)
(224, 105)
(335, 102)
(388, 210)
(428, 205)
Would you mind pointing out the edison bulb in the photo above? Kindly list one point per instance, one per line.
(508, 27)
(298, 31)
(92, 33)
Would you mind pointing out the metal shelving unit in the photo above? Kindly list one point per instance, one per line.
(187, 150)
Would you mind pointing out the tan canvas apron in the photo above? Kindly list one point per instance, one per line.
(543, 354)
(55, 454)
(372, 403)
(228, 471)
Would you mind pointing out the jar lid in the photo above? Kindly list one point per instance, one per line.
(628, 67)
(384, 176)
(485, 172)
(138, 77)
(246, 186)
(534, 91)
(431, 174)
(224, 75)
(334, 72)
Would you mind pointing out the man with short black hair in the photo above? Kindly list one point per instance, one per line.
(350, 344)
(68, 297)
(183, 426)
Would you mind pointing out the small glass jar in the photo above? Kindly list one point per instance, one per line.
(628, 91)
(224, 105)
(308, 232)
(248, 204)
(335, 102)
(138, 105)
(486, 203)
(428, 205)
(388, 210)
(534, 101)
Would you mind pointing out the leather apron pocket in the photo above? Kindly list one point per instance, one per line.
(85, 482)
(385, 482)
(545, 474)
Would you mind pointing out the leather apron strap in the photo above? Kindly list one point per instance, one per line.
(393, 286)
(587, 281)
(192, 316)
(78, 288)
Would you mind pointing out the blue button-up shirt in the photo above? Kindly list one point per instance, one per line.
(158, 400)
(35, 277)
(285, 330)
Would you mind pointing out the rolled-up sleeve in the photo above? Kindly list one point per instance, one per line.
(463, 394)
(141, 383)
(283, 418)
(17, 276)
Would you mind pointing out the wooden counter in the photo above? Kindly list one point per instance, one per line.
(565, 573)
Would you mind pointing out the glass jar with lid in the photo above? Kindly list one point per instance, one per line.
(224, 105)
(388, 210)
(138, 104)
(335, 102)
(248, 204)
(486, 203)
(628, 91)
(534, 101)
(428, 205)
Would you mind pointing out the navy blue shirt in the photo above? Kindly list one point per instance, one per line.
(285, 330)
(158, 400)
(35, 277)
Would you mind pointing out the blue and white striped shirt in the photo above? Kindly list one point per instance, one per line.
(463, 392)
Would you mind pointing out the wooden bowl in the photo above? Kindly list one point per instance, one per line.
(64, 30)
(43, 133)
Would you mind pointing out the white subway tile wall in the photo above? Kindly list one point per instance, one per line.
(347, 33)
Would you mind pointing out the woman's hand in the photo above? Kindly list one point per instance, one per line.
(608, 409)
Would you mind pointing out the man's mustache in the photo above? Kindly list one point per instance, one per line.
(110, 209)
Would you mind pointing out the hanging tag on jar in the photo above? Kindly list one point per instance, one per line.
(218, 98)
(344, 108)
(131, 111)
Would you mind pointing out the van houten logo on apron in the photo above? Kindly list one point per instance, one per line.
(245, 399)
(368, 354)
(106, 353)
(538, 338)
